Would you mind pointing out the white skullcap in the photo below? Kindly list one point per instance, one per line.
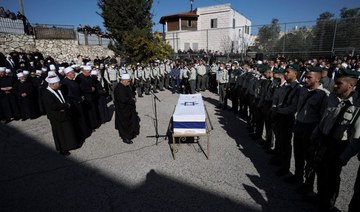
(259, 62)
(344, 65)
(61, 71)
(25, 72)
(38, 71)
(87, 68)
(125, 76)
(7, 70)
(68, 69)
(44, 69)
(52, 79)
(51, 73)
(2, 69)
(52, 67)
(61, 68)
(20, 74)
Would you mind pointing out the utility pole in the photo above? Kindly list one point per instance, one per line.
(191, 5)
(21, 7)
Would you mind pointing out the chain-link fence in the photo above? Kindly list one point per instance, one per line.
(15, 26)
(92, 40)
(306, 39)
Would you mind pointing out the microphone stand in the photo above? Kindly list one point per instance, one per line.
(157, 136)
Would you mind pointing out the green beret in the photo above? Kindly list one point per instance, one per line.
(279, 71)
(294, 67)
(344, 72)
(262, 68)
(315, 69)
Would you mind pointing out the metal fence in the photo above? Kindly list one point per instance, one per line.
(326, 38)
(8, 25)
(51, 31)
(54, 31)
(92, 40)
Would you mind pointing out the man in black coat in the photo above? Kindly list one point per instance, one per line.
(127, 121)
(72, 91)
(23, 90)
(8, 103)
(88, 90)
(58, 112)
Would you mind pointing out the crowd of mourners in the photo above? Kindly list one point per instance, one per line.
(309, 107)
(9, 14)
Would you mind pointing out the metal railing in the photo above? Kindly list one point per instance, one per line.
(8, 25)
(92, 39)
(54, 31)
(321, 38)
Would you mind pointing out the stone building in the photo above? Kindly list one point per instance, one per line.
(216, 28)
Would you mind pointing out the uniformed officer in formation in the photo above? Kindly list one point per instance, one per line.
(338, 128)
(312, 101)
(155, 76)
(201, 76)
(285, 110)
(147, 79)
(223, 80)
(111, 75)
(139, 80)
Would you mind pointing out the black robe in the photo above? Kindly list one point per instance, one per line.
(90, 103)
(103, 109)
(71, 90)
(38, 85)
(26, 103)
(59, 114)
(127, 121)
(9, 106)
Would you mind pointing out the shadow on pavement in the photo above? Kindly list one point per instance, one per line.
(36, 178)
(279, 196)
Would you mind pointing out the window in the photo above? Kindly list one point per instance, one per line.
(186, 46)
(195, 46)
(189, 23)
(247, 29)
(213, 23)
(234, 23)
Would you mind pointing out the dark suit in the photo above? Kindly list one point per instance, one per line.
(91, 110)
(61, 124)
(72, 91)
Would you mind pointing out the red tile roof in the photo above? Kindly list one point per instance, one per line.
(188, 14)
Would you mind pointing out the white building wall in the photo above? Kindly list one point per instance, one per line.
(216, 39)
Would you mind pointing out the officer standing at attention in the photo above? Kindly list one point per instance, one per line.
(111, 76)
(223, 80)
(147, 79)
(339, 127)
(285, 112)
(139, 80)
(155, 76)
(311, 105)
(201, 72)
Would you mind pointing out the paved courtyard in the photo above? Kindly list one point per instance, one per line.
(109, 175)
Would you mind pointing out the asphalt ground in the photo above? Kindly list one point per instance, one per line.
(106, 174)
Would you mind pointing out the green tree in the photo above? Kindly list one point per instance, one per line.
(268, 36)
(347, 33)
(324, 32)
(297, 40)
(129, 22)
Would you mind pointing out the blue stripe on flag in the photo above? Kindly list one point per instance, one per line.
(194, 125)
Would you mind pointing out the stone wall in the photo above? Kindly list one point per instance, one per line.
(60, 50)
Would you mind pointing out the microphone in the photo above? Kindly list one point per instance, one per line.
(154, 95)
